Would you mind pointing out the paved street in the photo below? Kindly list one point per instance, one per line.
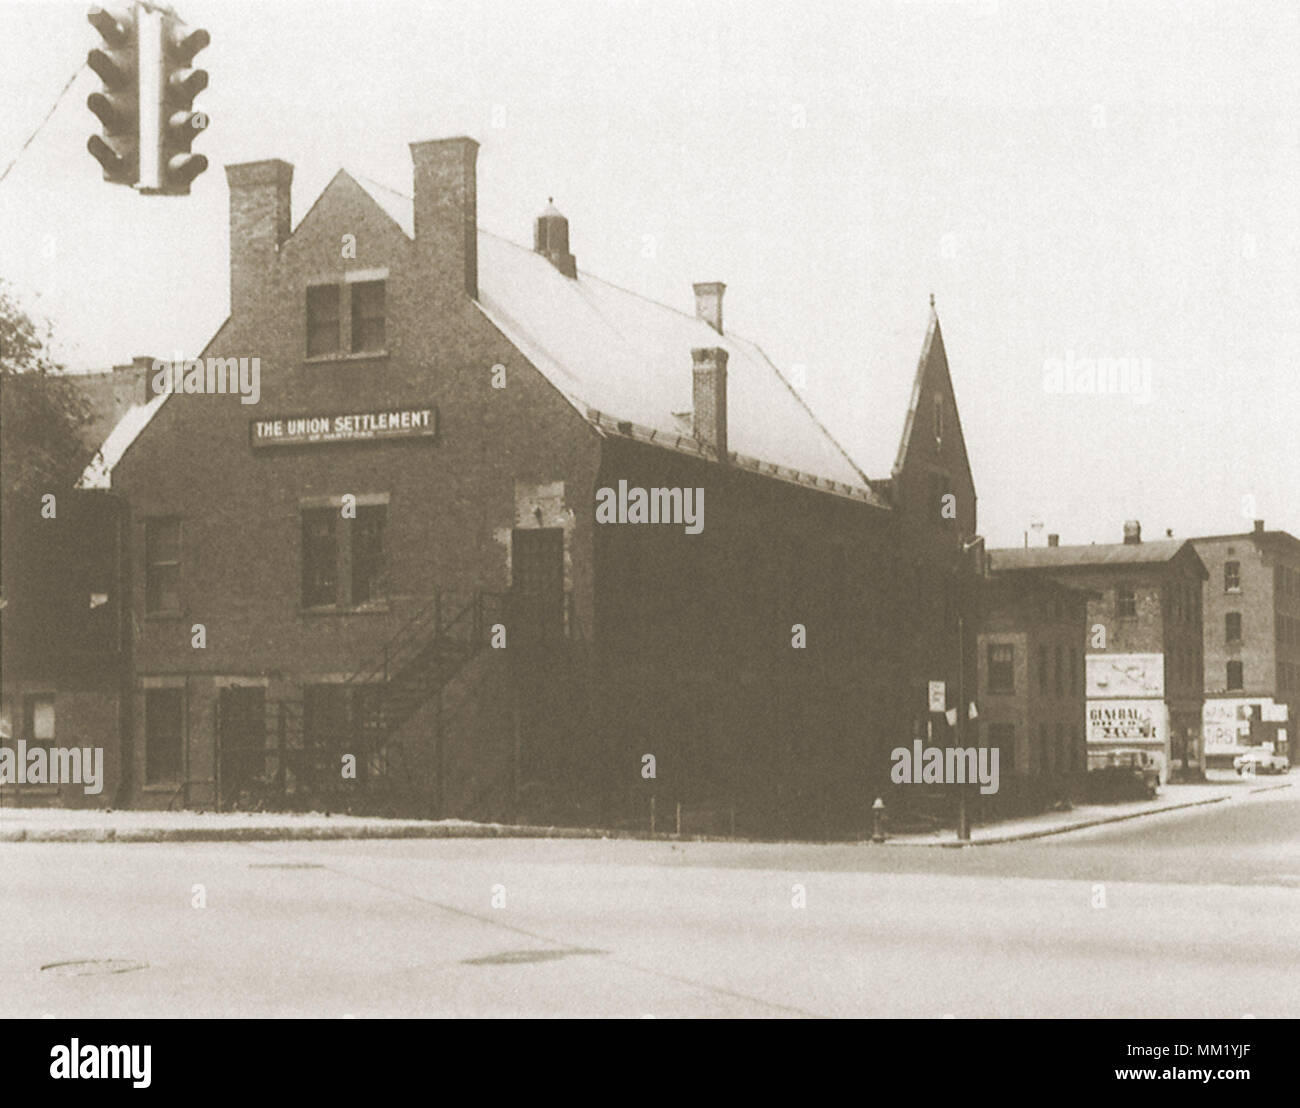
(1201, 917)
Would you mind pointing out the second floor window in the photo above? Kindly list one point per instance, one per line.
(322, 320)
(1232, 627)
(368, 554)
(343, 559)
(1002, 667)
(319, 557)
(1126, 602)
(1232, 576)
(162, 572)
(1236, 679)
(367, 316)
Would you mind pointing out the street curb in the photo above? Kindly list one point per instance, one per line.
(522, 831)
(1045, 832)
(327, 834)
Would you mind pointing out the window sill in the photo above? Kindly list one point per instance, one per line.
(362, 356)
(378, 608)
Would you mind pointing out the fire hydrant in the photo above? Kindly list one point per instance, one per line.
(878, 821)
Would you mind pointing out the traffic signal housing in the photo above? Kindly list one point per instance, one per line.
(179, 124)
(117, 104)
(147, 103)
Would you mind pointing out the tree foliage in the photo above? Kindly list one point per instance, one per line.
(41, 410)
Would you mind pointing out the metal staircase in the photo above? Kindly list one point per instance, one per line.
(289, 761)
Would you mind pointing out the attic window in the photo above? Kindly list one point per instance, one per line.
(367, 316)
(322, 320)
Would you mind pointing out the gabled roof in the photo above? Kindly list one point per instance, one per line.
(623, 361)
(619, 357)
(99, 473)
(1095, 555)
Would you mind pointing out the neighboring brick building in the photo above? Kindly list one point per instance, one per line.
(64, 646)
(1252, 641)
(1144, 641)
(333, 571)
(1032, 684)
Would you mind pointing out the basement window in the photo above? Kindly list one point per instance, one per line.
(323, 320)
(367, 316)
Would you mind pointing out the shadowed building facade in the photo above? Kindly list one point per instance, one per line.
(386, 585)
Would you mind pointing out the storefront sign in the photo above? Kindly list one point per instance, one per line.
(311, 430)
(1226, 722)
(1126, 721)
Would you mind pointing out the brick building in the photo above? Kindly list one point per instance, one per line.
(64, 646)
(1252, 641)
(1144, 668)
(1032, 684)
(397, 555)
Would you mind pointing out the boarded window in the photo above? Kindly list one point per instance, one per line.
(1232, 627)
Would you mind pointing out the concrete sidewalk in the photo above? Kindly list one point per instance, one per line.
(99, 825)
(63, 825)
(1171, 799)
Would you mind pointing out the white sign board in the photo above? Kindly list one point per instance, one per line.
(1138, 722)
(1225, 722)
(1126, 675)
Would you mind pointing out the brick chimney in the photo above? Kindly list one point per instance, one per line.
(1259, 526)
(708, 303)
(132, 384)
(1053, 540)
(551, 239)
(1132, 532)
(710, 397)
(446, 211)
(259, 224)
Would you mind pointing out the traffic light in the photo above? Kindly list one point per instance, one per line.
(147, 103)
(118, 104)
(178, 124)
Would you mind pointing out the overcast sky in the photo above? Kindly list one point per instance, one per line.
(1070, 180)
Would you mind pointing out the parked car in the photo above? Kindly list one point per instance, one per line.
(1260, 761)
(1116, 773)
